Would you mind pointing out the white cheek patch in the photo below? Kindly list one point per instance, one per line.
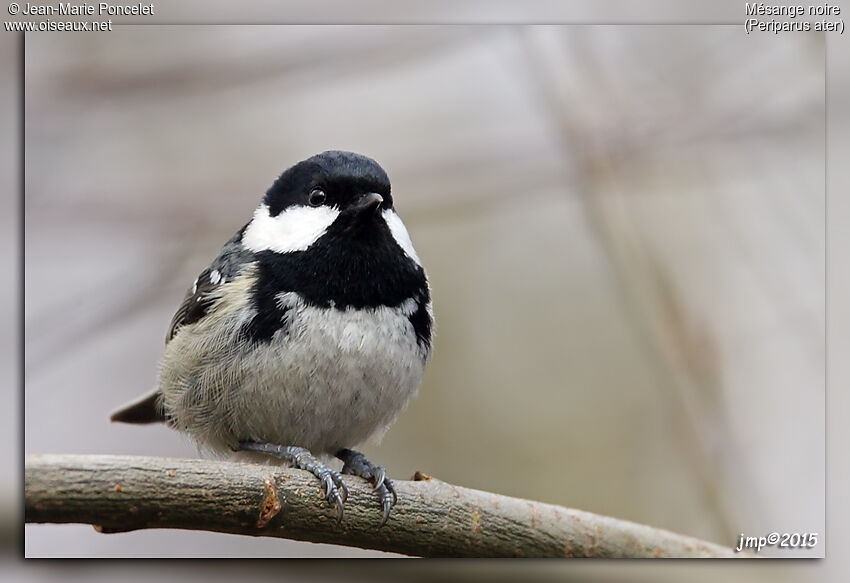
(294, 229)
(399, 233)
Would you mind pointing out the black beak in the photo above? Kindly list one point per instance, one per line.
(369, 202)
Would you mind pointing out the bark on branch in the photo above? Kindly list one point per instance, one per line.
(432, 518)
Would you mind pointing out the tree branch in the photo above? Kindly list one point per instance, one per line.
(432, 518)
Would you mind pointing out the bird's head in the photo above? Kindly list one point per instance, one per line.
(338, 194)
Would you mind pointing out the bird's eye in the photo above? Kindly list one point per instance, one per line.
(317, 197)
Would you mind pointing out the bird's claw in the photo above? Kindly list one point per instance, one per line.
(380, 474)
(335, 490)
(386, 490)
(355, 463)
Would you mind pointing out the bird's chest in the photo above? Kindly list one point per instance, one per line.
(332, 377)
(378, 338)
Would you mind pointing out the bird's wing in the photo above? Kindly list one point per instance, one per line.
(197, 303)
(199, 299)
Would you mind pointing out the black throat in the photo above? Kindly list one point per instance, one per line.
(353, 265)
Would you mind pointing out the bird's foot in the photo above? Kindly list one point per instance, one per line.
(301, 458)
(355, 463)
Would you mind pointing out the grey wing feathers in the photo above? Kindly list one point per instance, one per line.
(198, 301)
(195, 304)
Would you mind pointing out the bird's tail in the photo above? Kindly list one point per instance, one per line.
(145, 410)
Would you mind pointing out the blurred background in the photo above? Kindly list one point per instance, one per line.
(623, 226)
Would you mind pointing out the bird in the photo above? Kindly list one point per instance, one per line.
(307, 335)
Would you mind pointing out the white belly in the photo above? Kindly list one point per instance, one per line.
(332, 380)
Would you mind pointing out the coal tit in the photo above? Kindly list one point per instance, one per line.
(308, 334)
